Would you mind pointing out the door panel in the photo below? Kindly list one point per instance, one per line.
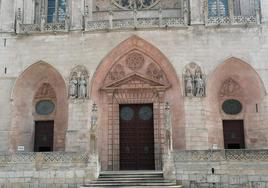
(136, 137)
(43, 139)
(233, 131)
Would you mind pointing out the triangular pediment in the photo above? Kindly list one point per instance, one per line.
(134, 81)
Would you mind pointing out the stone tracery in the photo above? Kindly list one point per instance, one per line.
(135, 4)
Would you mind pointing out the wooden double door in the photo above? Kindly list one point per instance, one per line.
(43, 138)
(137, 137)
(233, 132)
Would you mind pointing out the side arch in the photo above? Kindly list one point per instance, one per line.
(23, 94)
(250, 91)
(173, 94)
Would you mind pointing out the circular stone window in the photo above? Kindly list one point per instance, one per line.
(145, 113)
(44, 107)
(126, 113)
(232, 107)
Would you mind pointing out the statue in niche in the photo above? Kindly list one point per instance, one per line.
(82, 87)
(93, 128)
(73, 87)
(78, 83)
(168, 127)
(194, 81)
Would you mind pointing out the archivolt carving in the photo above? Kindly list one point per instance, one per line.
(78, 83)
(45, 91)
(194, 81)
(230, 88)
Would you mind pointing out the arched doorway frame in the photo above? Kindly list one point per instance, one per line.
(108, 97)
(250, 92)
(22, 96)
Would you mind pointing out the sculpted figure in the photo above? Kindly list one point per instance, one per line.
(188, 83)
(200, 85)
(82, 87)
(73, 92)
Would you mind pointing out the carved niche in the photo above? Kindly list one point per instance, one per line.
(194, 81)
(230, 88)
(78, 83)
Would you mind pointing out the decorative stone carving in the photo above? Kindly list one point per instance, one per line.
(194, 81)
(154, 72)
(135, 4)
(230, 88)
(135, 61)
(45, 91)
(78, 83)
(94, 117)
(168, 127)
(117, 72)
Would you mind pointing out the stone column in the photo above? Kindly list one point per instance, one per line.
(197, 16)
(7, 16)
(264, 11)
(76, 14)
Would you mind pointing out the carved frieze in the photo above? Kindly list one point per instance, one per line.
(135, 61)
(230, 88)
(194, 81)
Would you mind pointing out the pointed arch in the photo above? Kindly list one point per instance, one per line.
(246, 86)
(23, 94)
(153, 59)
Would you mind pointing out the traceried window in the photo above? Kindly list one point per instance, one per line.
(52, 10)
(217, 8)
(135, 4)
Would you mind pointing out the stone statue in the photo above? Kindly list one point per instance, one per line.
(73, 87)
(168, 127)
(199, 85)
(94, 117)
(82, 87)
(188, 84)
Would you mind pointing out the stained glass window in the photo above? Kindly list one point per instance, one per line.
(56, 10)
(217, 8)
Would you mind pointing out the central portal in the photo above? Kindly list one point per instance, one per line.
(137, 137)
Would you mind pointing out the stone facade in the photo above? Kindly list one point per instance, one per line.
(120, 55)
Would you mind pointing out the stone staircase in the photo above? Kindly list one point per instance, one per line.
(132, 179)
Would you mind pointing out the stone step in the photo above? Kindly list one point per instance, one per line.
(131, 179)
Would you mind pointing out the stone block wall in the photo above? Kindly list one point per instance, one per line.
(222, 168)
(55, 170)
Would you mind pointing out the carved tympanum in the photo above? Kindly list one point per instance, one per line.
(230, 88)
(117, 72)
(154, 72)
(135, 61)
(45, 91)
(194, 81)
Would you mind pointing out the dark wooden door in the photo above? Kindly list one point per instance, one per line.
(233, 134)
(43, 139)
(136, 137)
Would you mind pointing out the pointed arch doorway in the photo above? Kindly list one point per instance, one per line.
(130, 86)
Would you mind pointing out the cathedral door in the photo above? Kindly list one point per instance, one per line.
(43, 139)
(233, 134)
(136, 137)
